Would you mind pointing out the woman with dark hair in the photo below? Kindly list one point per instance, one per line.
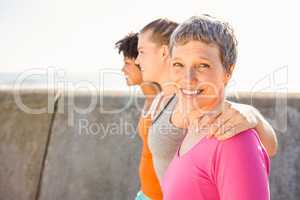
(150, 187)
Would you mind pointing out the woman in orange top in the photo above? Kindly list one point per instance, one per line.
(150, 187)
(149, 183)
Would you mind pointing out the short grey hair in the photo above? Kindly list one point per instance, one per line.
(209, 30)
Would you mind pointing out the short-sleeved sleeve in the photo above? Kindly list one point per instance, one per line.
(241, 168)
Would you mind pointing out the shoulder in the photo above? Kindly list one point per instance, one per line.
(159, 104)
(150, 105)
(244, 146)
(247, 137)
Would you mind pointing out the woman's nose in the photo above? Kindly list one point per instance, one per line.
(123, 68)
(191, 76)
(137, 62)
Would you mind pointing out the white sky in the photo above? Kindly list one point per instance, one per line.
(79, 36)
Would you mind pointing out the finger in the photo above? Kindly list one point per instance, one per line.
(229, 130)
(229, 124)
(235, 130)
(238, 121)
(212, 124)
(213, 117)
(203, 122)
(222, 120)
(228, 134)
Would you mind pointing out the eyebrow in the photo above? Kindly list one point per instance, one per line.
(176, 58)
(202, 58)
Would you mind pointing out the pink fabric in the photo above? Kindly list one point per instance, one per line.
(234, 169)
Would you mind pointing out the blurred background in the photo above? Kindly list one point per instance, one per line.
(76, 38)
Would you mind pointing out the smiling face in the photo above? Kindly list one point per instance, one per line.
(132, 72)
(150, 58)
(199, 75)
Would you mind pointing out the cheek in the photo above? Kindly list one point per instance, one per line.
(142, 57)
(175, 79)
(134, 73)
(147, 60)
(154, 58)
(176, 74)
(214, 85)
(130, 73)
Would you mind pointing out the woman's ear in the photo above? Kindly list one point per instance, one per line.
(228, 74)
(165, 52)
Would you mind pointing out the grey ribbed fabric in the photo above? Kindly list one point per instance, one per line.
(164, 138)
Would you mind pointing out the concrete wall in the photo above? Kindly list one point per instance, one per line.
(66, 153)
(23, 141)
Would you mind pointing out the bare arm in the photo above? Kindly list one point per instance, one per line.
(267, 134)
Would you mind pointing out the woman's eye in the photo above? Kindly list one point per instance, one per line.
(177, 65)
(203, 65)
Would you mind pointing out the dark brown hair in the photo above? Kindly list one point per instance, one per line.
(128, 45)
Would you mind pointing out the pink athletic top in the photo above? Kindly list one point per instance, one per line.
(233, 169)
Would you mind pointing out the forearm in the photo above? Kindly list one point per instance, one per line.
(266, 134)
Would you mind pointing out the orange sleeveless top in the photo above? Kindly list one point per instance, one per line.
(149, 183)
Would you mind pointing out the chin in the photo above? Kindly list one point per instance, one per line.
(128, 82)
(145, 79)
(204, 102)
(132, 83)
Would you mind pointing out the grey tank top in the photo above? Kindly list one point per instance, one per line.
(164, 138)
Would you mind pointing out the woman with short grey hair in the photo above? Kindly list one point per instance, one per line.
(203, 56)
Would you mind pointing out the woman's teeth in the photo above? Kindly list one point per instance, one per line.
(191, 92)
